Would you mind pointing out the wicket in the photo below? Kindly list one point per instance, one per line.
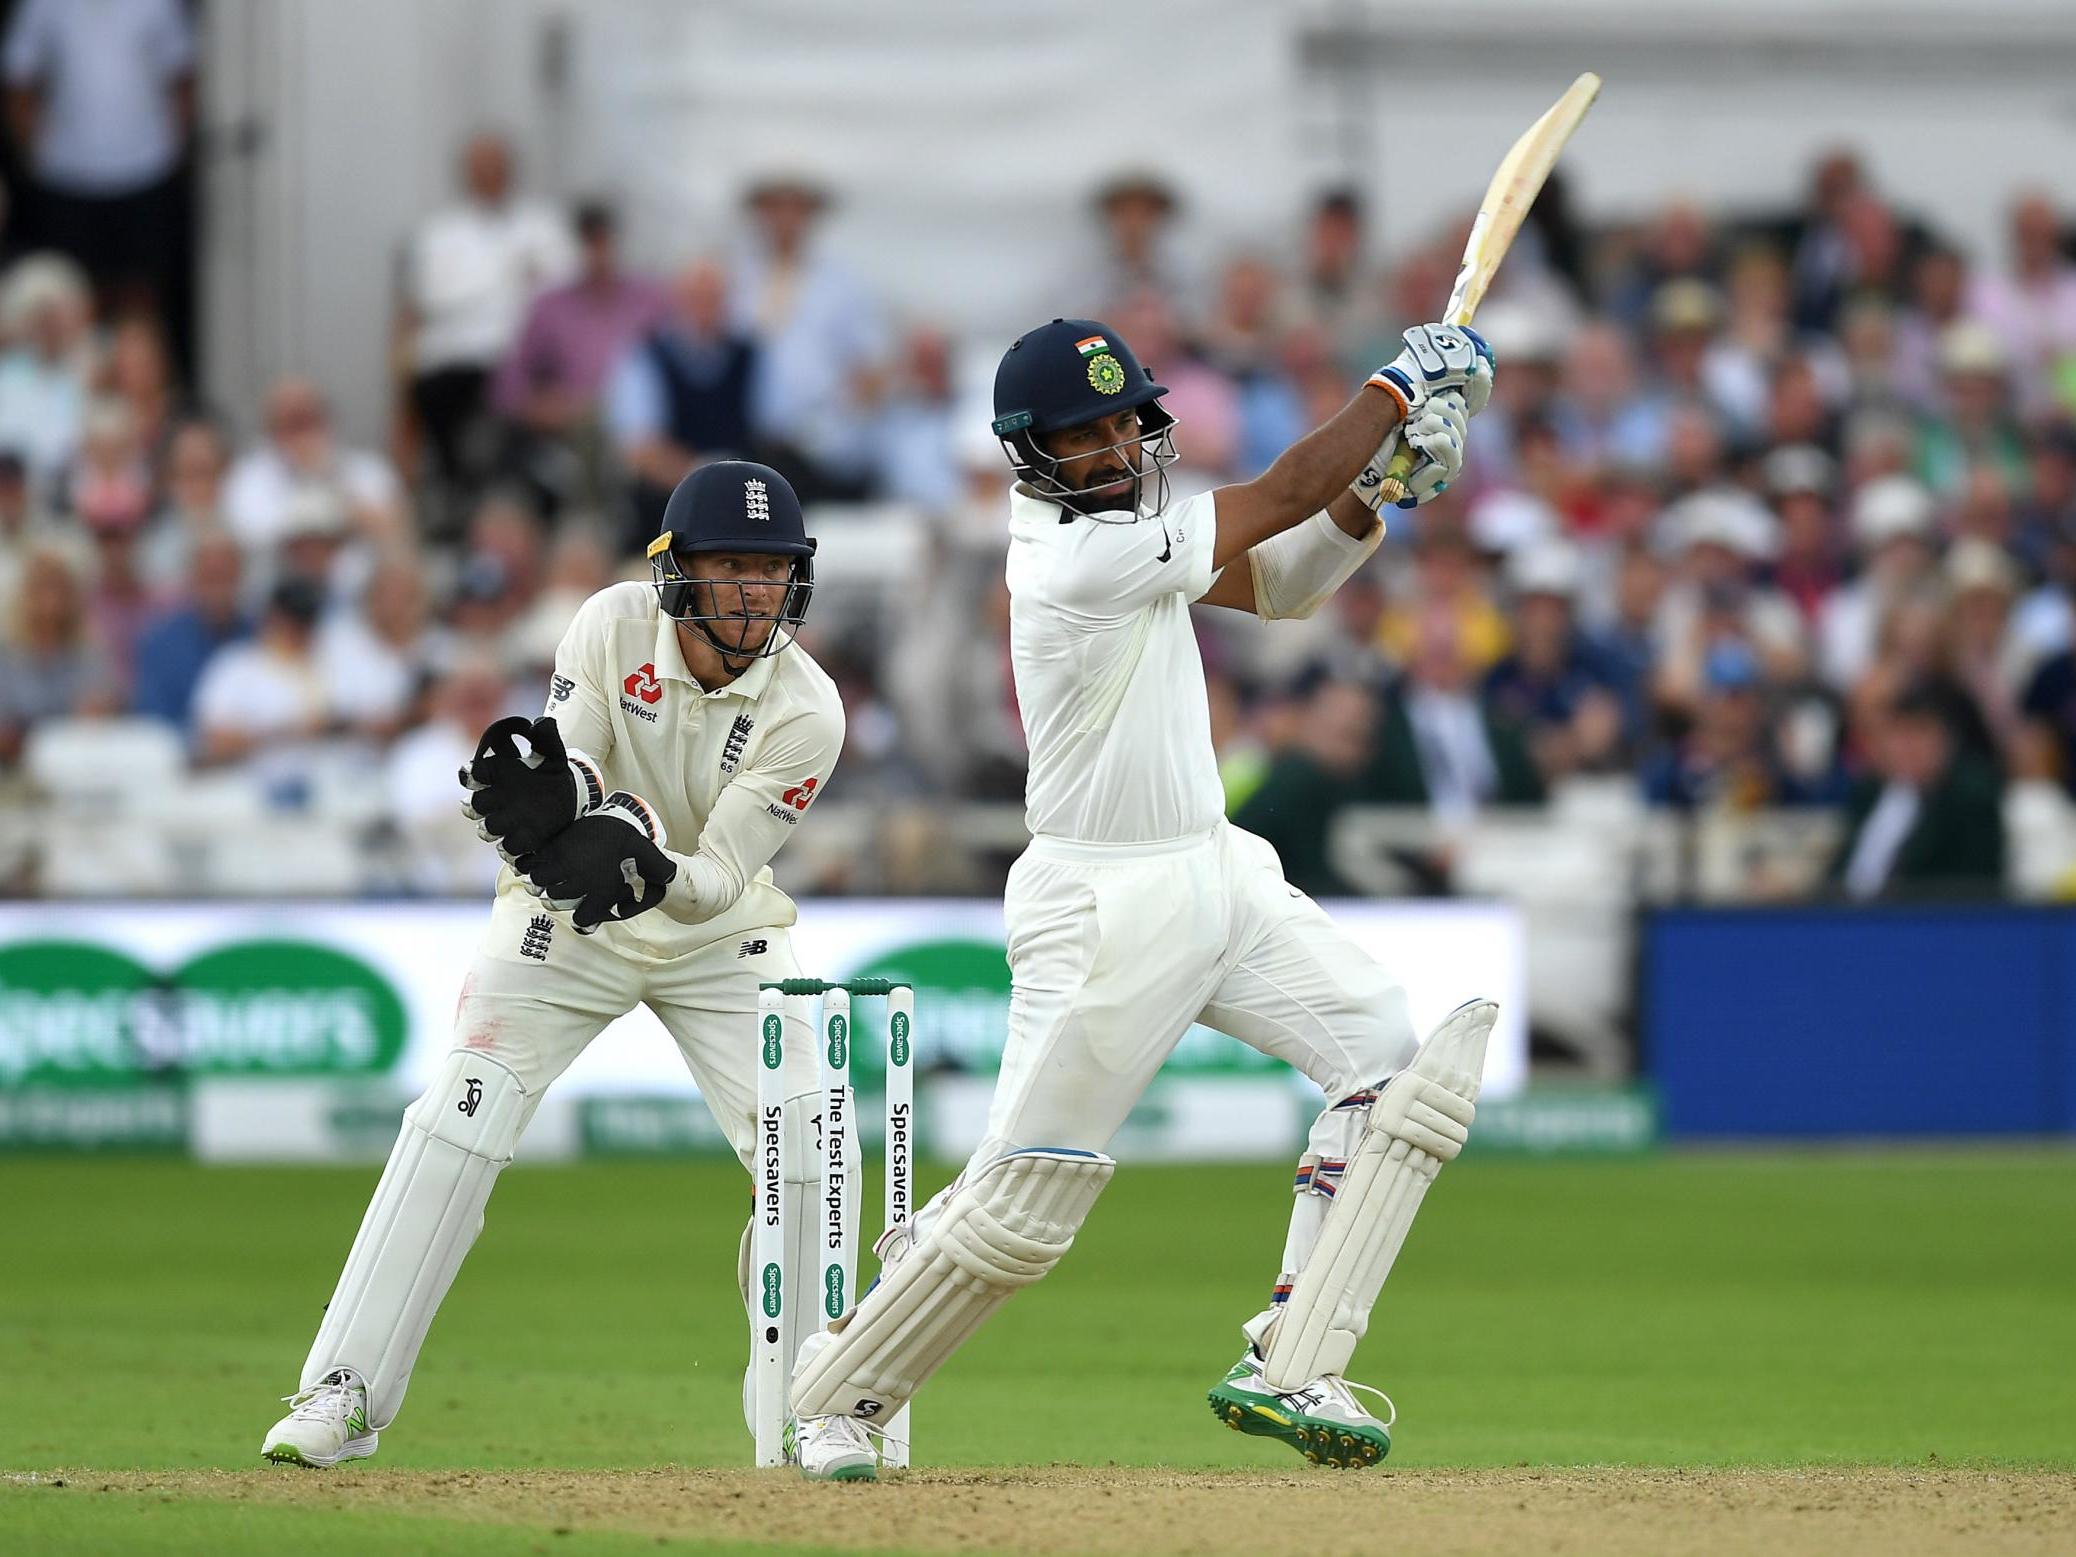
(835, 1280)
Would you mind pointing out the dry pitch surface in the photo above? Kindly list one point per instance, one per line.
(1607, 1513)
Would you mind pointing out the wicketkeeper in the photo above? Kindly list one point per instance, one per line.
(1138, 909)
(682, 716)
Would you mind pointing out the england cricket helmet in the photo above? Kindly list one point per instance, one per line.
(1066, 374)
(731, 506)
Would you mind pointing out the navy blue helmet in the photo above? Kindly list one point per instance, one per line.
(732, 506)
(1067, 374)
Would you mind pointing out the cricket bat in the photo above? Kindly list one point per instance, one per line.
(1507, 198)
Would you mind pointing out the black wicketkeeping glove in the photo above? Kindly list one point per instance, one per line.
(607, 865)
(518, 797)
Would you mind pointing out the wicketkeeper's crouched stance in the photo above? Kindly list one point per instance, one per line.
(1139, 910)
(680, 709)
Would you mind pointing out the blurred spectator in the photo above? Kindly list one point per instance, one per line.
(948, 677)
(1725, 758)
(680, 394)
(1249, 339)
(821, 348)
(119, 597)
(1556, 685)
(265, 697)
(468, 273)
(1202, 400)
(550, 382)
(1800, 478)
(49, 665)
(1677, 246)
(174, 646)
(111, 468)
(1982, 656)
(300, 451)
(500, 573)
(1439, 746)
(424, 799)
(191, 480)
(1310, 780)
(1893, 536)
(2033, 307)
(1938, 295)
(45, 314)
(918, 436)
(1334, 292)
(1598, 419)
(1977, 422)
(101, 99)
(23, 523)
(1445, 578)
(1928, 820)
(1136, 250)
(376, 659)
(579, 565)
(1720, 539)
(138, 374)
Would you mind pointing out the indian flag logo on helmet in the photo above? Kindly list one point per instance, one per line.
(1088, 346)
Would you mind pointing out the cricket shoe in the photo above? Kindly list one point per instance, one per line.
(1322, 1421)
(326, 1423)
(832, 1448)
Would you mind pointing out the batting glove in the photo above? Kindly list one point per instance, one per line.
(520, 799)
(1437, 358)
(1438, 433)
(608, 864)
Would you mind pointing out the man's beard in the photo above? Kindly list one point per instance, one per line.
(1105, 492)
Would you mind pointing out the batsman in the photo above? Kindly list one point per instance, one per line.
(1138, 909)
(680, 710)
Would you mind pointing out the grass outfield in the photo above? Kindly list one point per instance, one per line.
(1720, 1312)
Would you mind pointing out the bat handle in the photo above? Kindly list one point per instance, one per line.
(1393, 490)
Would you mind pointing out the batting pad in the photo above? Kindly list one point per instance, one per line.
(426, 1212)
(1419, 1122)
(1003, 1230)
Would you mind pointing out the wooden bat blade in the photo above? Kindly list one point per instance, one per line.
(1520, 178)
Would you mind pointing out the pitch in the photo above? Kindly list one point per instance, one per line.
(1740, 1351)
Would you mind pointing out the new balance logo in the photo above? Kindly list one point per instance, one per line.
(559, 689)
(469, 1104)
(756, 500)
(534, 943)
(754, 948)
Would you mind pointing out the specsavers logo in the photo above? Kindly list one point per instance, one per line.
(75, 1013)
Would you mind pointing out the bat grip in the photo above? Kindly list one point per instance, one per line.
(1393, 490)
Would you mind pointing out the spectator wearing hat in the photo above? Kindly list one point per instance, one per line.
(1720, 540)
(176, 644)
(1929, 820)
(1137, 248)
(46, 312)
(549, 384)
(265, 697)
(1894, 537)
(821, 349)
(1439, 744)
(468, 274)
(1678, 245)
(1556, 685)
(50, 666)
(300, 451)
(1983, 658)
(1333, 283)
(2032, 308)
(1977, 423)
(680, 393)
(1801, 479)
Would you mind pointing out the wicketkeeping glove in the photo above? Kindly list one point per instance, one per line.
(608, 864)
(1438, 434)
(520, 799)
(1438, 357)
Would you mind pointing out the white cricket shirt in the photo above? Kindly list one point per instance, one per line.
(730, 772)
(1108, 678)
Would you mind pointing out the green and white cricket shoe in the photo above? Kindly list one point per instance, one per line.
(1323, 1421)
(326, 1423)
(832, 1448)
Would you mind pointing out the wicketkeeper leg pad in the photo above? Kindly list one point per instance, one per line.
(1007, 1225)
(426, 1213)
(1420, 1121)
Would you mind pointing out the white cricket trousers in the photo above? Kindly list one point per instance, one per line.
(536, 993)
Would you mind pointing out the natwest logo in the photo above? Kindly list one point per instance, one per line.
(801, 796)
(643, 684)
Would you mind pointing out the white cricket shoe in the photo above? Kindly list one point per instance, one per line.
(832, 1448)
(326, 1423)
(1323, 1421)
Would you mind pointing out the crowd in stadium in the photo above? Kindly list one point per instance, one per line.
(1776, 511)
